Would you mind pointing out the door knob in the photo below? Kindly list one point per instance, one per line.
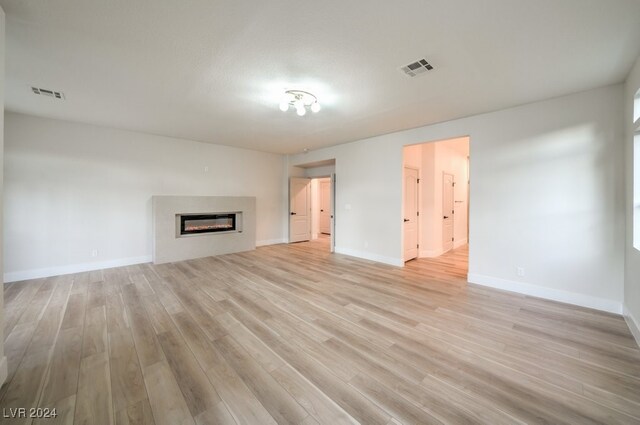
(446, 216)
(321, 210)
(406, 219)
(293, 213)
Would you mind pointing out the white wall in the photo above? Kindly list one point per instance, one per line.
(430, 228)
(547, 195)
(71, 188)
(635, 181)
(365, 224)
(412, 156)
(324, 171)
(632, 255)
(3, 358)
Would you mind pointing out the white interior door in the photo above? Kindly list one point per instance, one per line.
(447, 212)
(325, 206)
(410, 224)
(299, 209)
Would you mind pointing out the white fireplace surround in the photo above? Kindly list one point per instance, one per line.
(169, 247)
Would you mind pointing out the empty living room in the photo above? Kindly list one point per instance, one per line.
(336, 212)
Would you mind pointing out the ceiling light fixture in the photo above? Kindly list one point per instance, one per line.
(300, 100)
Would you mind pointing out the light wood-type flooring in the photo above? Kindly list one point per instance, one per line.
(293, 334)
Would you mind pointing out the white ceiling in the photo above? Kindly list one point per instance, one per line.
(213, 70)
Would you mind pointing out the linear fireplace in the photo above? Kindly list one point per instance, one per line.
(170, 245)
(191, 224)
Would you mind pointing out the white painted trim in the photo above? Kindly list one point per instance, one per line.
(74, 268)
(574, 298)
(431, 253)
(369, 256)
(632, 322)
(99, 265)
(271, 242)
(3, 370)
(458, 244)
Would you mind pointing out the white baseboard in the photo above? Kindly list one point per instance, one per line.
(574, 298)
(98, 265)
(3, 370)
(458, 244)
(430, 253)
(73, 268)
(633, 323)
(271, 242)
(369, 256)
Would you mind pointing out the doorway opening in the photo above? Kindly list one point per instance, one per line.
(435, 201)
(321, 208)
(312, 205)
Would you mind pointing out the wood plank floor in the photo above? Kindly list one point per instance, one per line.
(293, 334)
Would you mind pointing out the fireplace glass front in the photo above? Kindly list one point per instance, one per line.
(207, 223)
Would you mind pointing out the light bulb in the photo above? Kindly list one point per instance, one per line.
(301, 111)
(315, 107)
(284, 106)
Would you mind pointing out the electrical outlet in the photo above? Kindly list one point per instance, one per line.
(206, 168)
(520, 271)
(94, 253)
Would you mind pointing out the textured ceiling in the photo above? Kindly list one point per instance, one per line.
(213, 70)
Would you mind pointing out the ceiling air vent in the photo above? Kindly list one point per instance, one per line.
(416, 68)
(50, 93)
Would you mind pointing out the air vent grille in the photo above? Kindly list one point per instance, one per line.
(417, 68)
(46, 92)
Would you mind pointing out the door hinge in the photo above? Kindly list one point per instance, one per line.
(451, 239)
(417, 245)
(417, 213)
(418, 180)
(453, 183)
